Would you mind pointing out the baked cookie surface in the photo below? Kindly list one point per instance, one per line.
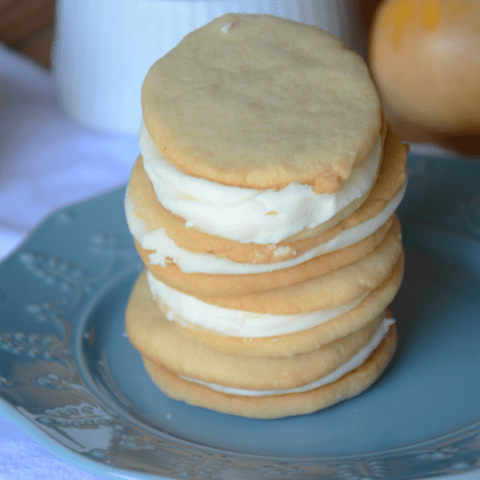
(157, 339)
(277, 406)
(238, 102)
(153, 218)
(370, 307)
(337, 287)
(145, 317)
(146, 207)
(243, 284)
(177, 363)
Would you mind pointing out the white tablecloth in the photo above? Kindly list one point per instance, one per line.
(48, 161)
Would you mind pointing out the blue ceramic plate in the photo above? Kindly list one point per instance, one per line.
(70, 378)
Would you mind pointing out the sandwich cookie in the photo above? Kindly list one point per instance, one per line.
(278, 405)
(175, 361)
(193, 270)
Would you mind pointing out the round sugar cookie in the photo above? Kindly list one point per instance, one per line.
(154, 217)
(142, 201)
(157, 339)
(277, 406)
(370, 308)
(259, 101)
(303, 341)
(205, 284)
(335, 288)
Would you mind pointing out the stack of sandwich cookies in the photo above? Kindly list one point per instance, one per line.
(262, 205)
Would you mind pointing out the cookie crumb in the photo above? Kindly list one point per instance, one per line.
(226, 27)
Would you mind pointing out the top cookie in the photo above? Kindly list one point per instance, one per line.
(258, 101)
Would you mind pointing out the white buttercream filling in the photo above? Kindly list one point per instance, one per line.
(245, 214)
(350, 365)
(191, 312)
(166, 250)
